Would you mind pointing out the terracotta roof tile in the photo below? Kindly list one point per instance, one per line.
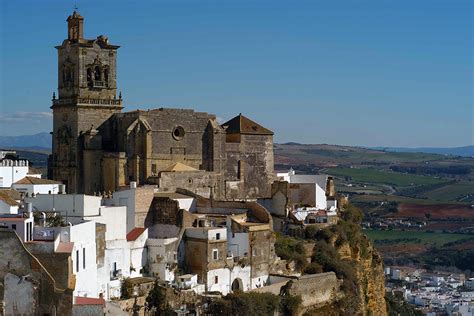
(243, 125)
(65, 247)
(89, 301)
(34, 180)
(135, 233)
(6, 198)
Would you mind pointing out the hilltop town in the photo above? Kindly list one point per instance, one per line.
(168, 210)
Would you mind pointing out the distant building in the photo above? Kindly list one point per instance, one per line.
(12, 170)
(32, 185)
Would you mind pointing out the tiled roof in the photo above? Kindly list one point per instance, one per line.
(7, 199)
(135, 233)
(89, 301)
(65, 247)
(12, 219)
(34, 180)
(243, 125)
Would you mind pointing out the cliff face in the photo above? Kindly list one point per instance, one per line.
(370, 282)
(344, 249)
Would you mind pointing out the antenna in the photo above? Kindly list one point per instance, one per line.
(75, 7)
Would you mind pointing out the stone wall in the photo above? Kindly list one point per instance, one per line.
(249, 167)
(315, 289)
(198, 182)
(17, 262)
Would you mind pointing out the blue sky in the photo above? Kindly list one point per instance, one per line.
(388, 73)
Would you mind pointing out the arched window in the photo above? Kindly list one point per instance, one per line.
(97, 73)
(106, 74)
(89, 76)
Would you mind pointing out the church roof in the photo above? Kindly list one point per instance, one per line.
(243, 125)
(178, 166)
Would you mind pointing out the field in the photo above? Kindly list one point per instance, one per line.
(436, 211)
(378, 176)
(415, 237)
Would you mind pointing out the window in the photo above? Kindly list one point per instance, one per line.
(216, 279)
(77, 260)
(89, 76)
(84, 258)
(153, 168)
(218, 236)
(106, 75)
(14, 226)
(178, 132)
(97, 73)
(215, 254)
(233, 235)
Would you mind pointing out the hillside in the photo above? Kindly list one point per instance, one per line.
(38, 141)
(371, 175)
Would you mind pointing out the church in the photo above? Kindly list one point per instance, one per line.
(99, 147)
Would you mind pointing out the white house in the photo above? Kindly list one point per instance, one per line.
(136, 199)
(162, 256)
(11, 171)
(23, 226)
(137, 239)
(80, 242)
(32, 185)
(7, 204)
(314, 190)
(123, 255)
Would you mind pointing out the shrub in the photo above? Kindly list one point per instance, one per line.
(251, 304)
(126, 289)
(291, 249)
(156, 301)
(313, 268)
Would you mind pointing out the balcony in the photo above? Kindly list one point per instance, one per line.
(99, 84)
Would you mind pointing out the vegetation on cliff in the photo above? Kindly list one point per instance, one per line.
(345, 250)
(255, 304)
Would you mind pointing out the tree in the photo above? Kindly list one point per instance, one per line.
(126, 290)
(156, 301)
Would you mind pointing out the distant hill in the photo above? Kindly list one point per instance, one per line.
(38, 141)
(466, 151)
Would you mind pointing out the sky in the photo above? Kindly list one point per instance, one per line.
(366, 73)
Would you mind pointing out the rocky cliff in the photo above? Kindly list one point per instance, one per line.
(370, 282)
(344, 249)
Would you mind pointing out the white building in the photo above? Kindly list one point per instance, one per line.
(317, 185)
(23, 226)
(12, 171)
(7, 204)
(136, 199)
(162, 257)
(123, 253)
(32, 185)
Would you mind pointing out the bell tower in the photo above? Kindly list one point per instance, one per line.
(75, 27)
(87, 97)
